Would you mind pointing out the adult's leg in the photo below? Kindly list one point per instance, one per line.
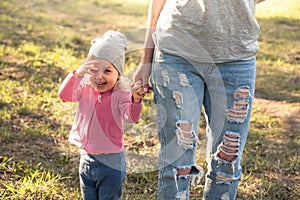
(228, 103)
(178, 93)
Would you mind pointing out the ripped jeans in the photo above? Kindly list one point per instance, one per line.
(181, 89)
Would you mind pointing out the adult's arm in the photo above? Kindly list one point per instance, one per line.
(154, 10)
(143, 72)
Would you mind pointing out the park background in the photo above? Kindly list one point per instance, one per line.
(41, 41)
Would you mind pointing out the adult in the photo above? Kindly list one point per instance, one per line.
(201, 53)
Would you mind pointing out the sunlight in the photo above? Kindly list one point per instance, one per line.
(277, 8)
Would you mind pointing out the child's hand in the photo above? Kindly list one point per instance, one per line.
(86, 68)
(137, 92)
(138, 95)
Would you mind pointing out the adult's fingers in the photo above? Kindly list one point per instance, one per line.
(136, 85)
(146, 87)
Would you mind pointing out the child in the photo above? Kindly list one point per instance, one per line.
(104, 104)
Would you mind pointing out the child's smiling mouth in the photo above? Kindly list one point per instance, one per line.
(100, 84)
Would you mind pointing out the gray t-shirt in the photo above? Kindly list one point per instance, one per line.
(208, 30)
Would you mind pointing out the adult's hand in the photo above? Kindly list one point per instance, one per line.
(141, 77)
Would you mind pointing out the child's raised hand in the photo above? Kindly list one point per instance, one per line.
(88, 67)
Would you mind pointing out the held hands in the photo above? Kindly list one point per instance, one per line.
(140, 86)
(137, 92)
(141, 77)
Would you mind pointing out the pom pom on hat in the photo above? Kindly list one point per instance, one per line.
(111, 47)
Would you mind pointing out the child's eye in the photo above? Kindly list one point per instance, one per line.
(107, 70)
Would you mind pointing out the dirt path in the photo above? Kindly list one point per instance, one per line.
(289, 113)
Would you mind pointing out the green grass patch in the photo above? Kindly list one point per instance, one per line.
(23, 181)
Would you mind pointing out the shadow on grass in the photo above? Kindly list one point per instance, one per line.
(32, 137)
(39, 77)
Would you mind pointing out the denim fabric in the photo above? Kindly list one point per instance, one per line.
(101, 176)
(181, 89)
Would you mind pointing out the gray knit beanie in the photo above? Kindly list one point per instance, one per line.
(111, 47)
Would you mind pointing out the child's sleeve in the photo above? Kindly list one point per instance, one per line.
(131, 111)
(71, 88)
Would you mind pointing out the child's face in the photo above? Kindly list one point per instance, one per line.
(104, 76)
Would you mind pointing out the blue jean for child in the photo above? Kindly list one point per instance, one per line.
(226, 92)
(101, 176)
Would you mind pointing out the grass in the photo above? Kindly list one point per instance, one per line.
(42, 41)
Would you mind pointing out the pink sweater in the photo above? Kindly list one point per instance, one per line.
(98, 123)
